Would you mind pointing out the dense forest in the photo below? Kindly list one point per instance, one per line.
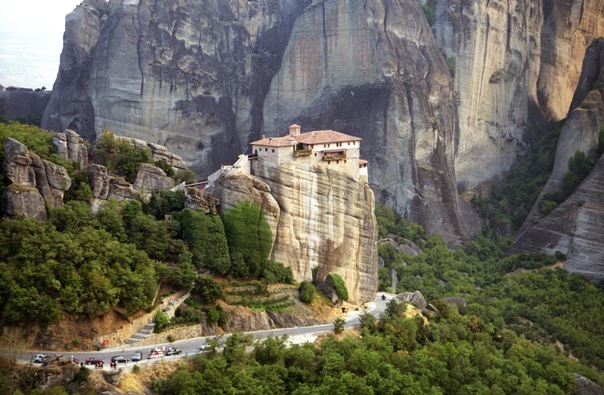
(524, 325)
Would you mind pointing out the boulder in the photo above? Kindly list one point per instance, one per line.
(17, 164)
(151, 178)
(415, 298)
(587, 387)
(25, 201)
(70, 146)
(52, 180)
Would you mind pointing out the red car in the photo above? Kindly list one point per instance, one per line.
(94, 361)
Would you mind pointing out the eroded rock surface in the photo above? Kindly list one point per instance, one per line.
(318, 217)
(576, 226)
(70, 146)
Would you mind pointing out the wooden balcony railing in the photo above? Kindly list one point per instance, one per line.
(302, 152)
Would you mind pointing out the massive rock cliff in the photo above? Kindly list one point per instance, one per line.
(372, 69)
(515, 62)
(440, 109)
(576, 226)
(205, 80)
(24, 105)
(319, 218)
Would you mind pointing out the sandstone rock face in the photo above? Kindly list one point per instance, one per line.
(204, 85)
(490, 47)
(569, 27)
(17, 163)
(34, 181)
(51, 180)
(150, 178)
(513, 61)
(25, 201)
(575, 227)
(188, 76)
(582, 127)
(70, 146)
(372, 69)
(415, 298)
(105, 186)
(318, 218)
(70, 106)
(23, 104)
(205, 80)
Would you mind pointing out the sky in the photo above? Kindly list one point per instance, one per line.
(31, 40)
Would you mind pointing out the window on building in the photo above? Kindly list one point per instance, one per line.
(256, 151)
(273, 150)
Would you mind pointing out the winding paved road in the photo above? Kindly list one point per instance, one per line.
(191, 346)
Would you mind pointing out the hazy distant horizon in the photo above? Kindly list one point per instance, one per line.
(31, 41)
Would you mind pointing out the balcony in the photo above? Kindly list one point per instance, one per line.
(302, 152)
(334, 155)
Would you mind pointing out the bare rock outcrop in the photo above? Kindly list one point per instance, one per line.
(22, 104)
(106, 186)
(211, 78)
(52, 180)
(70, 106)
(25, 201)
(151, 178)
(415, 298)
(515, 62)
(70, 146)
(34, 181)
(576, 226)
(373, 69)
(319, 218)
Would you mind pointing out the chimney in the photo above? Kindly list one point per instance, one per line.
(294, 130)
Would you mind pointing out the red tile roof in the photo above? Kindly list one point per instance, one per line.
(312, 138)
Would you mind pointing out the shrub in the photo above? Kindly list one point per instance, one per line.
(547, 206)
(307, 292)
(274, 272)
(162, 321)
(429, 14)
(248, 235)
(136, 369)
(208, 289)
(339, 286)
(338, 325)
(170, 338)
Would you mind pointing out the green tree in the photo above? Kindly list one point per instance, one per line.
(208, 289)
(248, 235)
(307, 292)
(204, 233)
(339, 286)
(338, 325)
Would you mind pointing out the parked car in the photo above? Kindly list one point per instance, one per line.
(173, 351)
(203, 347)
(119, 359)
(39, 358)
(154, 354)
(137, 356)
(94, 361)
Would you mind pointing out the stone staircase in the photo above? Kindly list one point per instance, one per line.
(169, 309)
(142, 334)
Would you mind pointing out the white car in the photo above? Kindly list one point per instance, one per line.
(39, 358)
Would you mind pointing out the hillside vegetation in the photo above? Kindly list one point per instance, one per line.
(526, 325)
(87, 264)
